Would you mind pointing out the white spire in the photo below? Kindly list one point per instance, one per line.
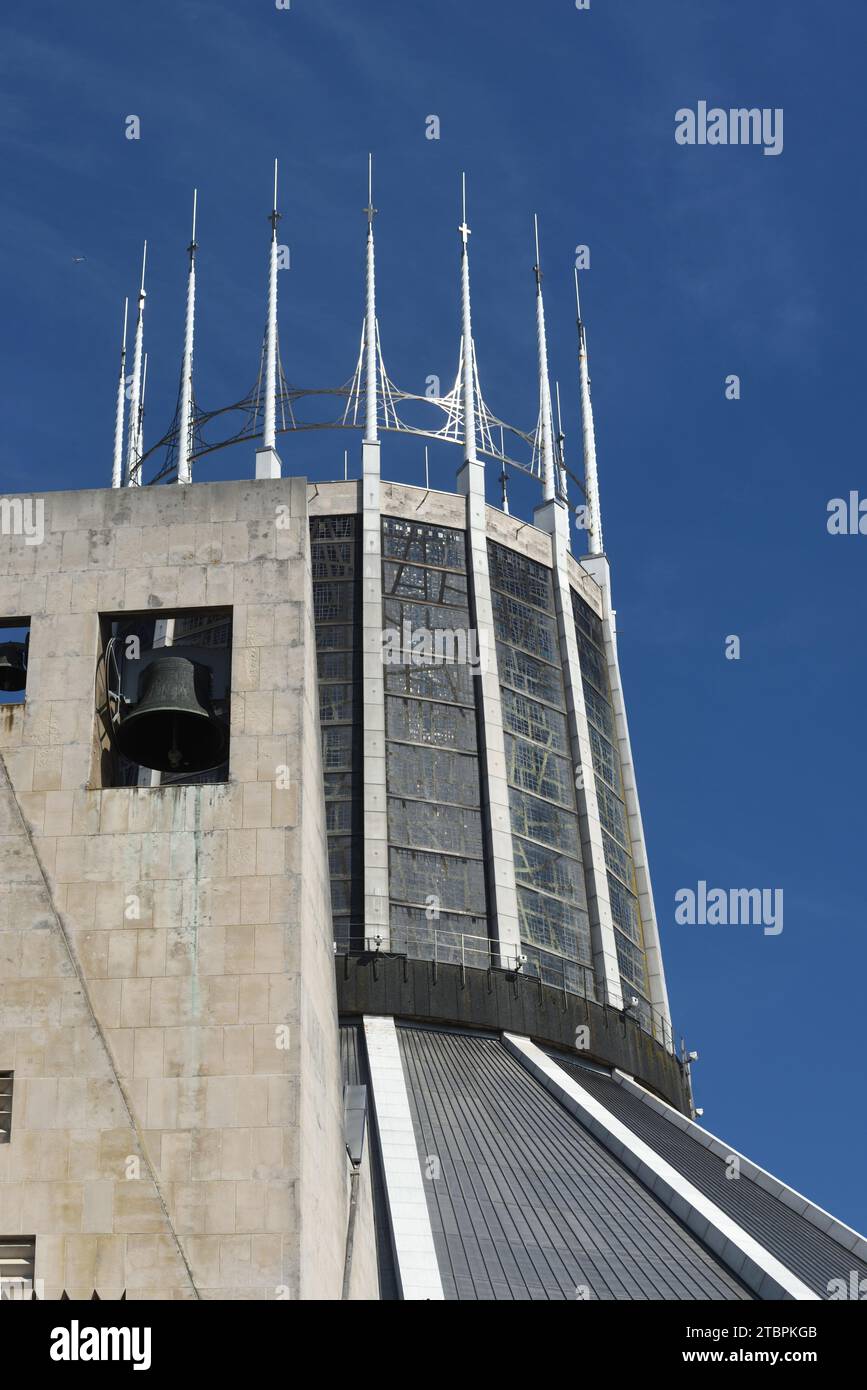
(591, 478)
(117, 463)
(546, 422)
(468, 385)
(561, 449)
(371, 428)
(504, 480)
(269, 434)
(133, 454)
(141, 409)
(185, 413)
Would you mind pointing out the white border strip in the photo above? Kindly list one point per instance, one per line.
(417, 1267)
(849, 1239)
(743, 1255)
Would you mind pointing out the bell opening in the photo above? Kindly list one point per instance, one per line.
(14, 639)
(166, 703)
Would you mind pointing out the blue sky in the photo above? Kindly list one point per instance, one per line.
(705, 261)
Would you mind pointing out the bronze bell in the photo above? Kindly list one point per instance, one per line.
(173, 728)
(13, 673)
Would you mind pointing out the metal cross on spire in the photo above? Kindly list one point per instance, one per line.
(467, 349)
(371, 425)
(269, 430)
(275, 216)
(464, 230)
(370, 211)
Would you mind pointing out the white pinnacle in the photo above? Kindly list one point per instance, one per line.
(371, 427)
(269, 432)
(546, 442)
(141, 409)
(561, 441)
(133, 455)
(591, 478)
(185, 414)
(117, 462)
(468, 388)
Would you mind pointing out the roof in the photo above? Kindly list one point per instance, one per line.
(524, 1202)
(777, 1218)
(529, 1199)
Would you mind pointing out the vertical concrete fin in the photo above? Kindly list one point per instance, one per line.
(554, 519)
(376, 909)
(503, 902)
(418, 1269)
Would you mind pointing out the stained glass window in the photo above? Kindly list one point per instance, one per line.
(333, 541)
(436, 855)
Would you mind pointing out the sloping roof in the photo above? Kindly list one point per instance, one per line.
(524, 1203)
(811, 1253)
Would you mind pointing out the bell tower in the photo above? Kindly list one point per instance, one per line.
(168, 1027)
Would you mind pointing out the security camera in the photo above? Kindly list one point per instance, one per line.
(699, 1111)
(692, 1056)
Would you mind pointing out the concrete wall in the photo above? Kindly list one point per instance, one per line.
(363, 1273)
(169, 1136)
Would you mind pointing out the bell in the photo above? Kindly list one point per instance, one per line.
(172, 728)
(13, 675)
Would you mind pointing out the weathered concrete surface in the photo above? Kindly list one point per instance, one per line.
(166, 971)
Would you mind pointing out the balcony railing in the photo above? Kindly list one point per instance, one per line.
(482, 953)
